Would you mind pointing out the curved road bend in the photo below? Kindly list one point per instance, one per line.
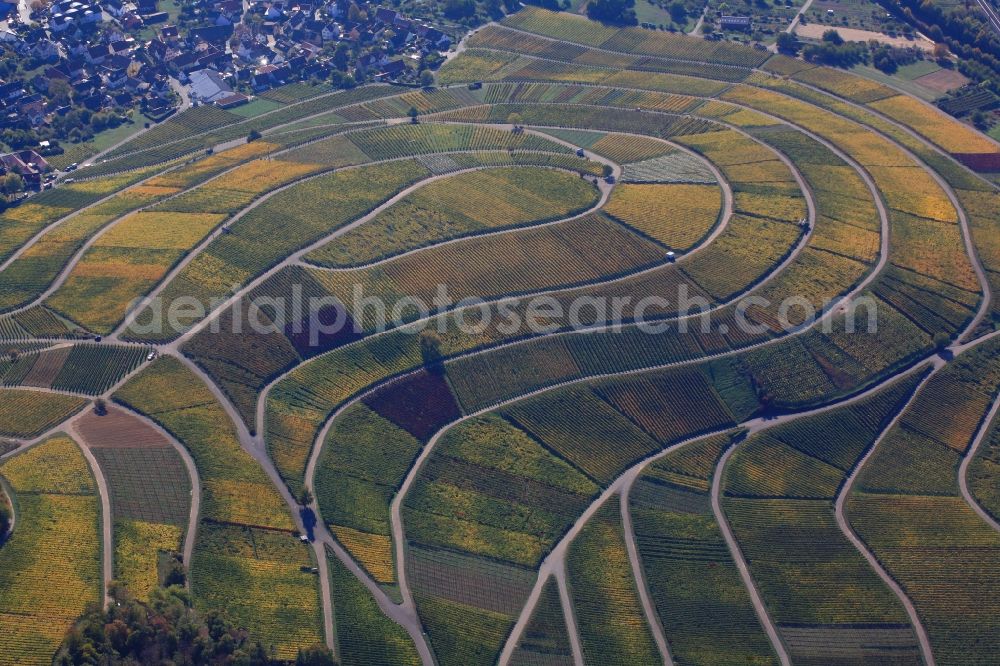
(107, 526)
(970, 454)
(725, 217)
(741, 564)
(925, 646)
(251, 445)
(639, 576)
(299, 255)
(78, 255)
(294, 258)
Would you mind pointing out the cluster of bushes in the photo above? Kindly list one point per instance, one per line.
(833, 50)
(167, 629)
(618, 12)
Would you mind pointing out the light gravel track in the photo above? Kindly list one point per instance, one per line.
(639, 575)
(294, 258)
(970, 454)
(842, 522)
(107, 522)
(628, 478)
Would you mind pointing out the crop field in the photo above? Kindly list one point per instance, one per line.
(50, 567)
(578, 251)
(26, 414)
(245, 559)
(150, 493)
(506, 513)
(675, 215)
(983, 474)
(946, 544)
(798, 505)
(302, 214)
(465, 204)
(629, 344)
(705, 610)
(612, 627)
(545, 638)
(365, 637)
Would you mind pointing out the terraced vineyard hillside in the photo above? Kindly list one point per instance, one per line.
(629, 348)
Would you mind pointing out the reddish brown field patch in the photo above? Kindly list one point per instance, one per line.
(119, 430)
(942, 81)
(420, 404)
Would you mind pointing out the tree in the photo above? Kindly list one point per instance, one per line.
(355, 14)
(413, 113)
(430, 352)
(981, 120)
(619, 12)
(833, 37)
(175, 573)
(100, 408)
(254, 135)
(787, 43)
(341, 56)
(427, 78)
(678, 12)
(606, 170)
(59, 91)
(459, 9)
(12, 183)
(315, 656)
(166, 629)
(514, 119)
(305, 497)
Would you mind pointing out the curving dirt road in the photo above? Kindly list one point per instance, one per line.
(978, 318)
(741, 564)
(845, 491)
(107, 524)
(970, 455)
(639, 574)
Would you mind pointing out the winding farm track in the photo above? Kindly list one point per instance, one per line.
(626, 480)
(395, 508)
(78, 255)
(31, 242)
(639, 575)
(726, 215)
(970, 454)
(766, 622)
(107, 522)
(297, 256)
(248, 120)
(554, 563)
(845, 527)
